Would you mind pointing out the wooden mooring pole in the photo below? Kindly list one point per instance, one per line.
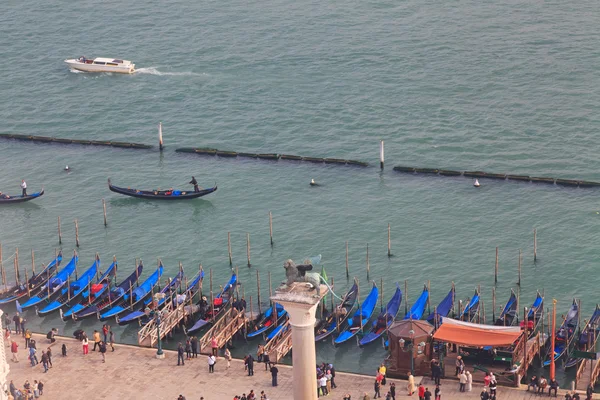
(104, 209)
(494, 305)
(368, 264)
(258, 290)
(405, 297)
(59, 234)
(32, 262)
(381, 158)
(347, 271)
(77, 233)
(2, 268)
(534, 244)
(519, 278)
(229, 247)
(271, 227)
(248, 248)
(160, 137)
(496, 268)
(389, 240)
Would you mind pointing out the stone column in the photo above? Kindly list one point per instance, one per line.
(301, 304)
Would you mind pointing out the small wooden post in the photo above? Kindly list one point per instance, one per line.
(493, 305)
(237, 287)
(454, 300)
(389, 240)
(258, 289)
(77, 233)
(251, 310)
(405, 297)
(368, 265)
(229, 247)
(381, 295)
(27, 283)
(525, 335)
(429, 296)
(160, 137)
(496, 268)
(17, 264)
(2, 269)
(482, 314)
(212, 306)
(32, 262)
(519, 280)
(59, 234)
(534, 244)
(248, 248)
(210, 280)
(271, 227)
(332, 306)
(347, 271)
(17, 280)
(381, 158)
(104, 208)
(68, 287)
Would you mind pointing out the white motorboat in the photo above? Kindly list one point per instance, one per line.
(101, 64)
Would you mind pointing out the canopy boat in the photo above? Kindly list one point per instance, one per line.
(93, 292)
(206, 312)
(587, 338)
(73, 290)
(470, 311)
(6, 199)
(19, 290)
(508, 316)
(418, 309)
(53, 285)
(111, 296)
(158, 194)
(162, 298)
(443, 309)
(134, 297)
(360, 318)
(327, 326)
(265, 321)
(565, 335)
(101, 64)
(385, 319)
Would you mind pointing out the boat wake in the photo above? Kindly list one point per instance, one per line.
(154, 71)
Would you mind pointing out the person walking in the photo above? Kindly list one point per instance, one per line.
(27, 337)
(49, 354)
(484, 394)
(323, 384)
(17, 321)
(274, 372)
(44, 361)
(469, 381)
(333, 385)
(421, 391)
(438, 392)
(23, 189)
(111, 338)
(215, 346)
(411, 384)
(85, 344)
(105, 332)
(211, 363)
(103, 350)
(437, 372)
(96, 339)
(382, 371)
(180, 354)
(393, 390)
(462, 379)
(33, 357)
(427, 395)
(250, 362)
(377, 389)
(493, 384)
(14, 349)
(41, 387)
(188, 349)
(194, 343)
(228, 357)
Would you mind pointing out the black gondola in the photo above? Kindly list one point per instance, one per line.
(169, 194)
(4, 198)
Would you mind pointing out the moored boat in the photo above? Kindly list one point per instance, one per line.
(470, 311)
(586, 340)
(53, 285)
(266, 321)
(19, 291)
(360, 318)
(565, 335)
(508, 316)
(338, 316)
(101, 64)
(443, 309)
(385, 319)
(206, 310)
(418, 309)
(169, 194)
(7, 199)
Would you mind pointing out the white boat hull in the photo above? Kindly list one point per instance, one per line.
(121, 69)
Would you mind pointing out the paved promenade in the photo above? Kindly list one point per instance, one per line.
(134, 373)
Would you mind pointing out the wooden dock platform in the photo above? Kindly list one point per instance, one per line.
(281, 344)
(223, 329)
(170, 318)
(587, 373)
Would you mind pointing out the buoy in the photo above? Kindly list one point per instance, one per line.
(67, 168)
(476, 183)
(313, 183)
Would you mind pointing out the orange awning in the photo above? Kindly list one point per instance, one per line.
(478, 335)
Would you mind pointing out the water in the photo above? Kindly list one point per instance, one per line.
(506, 87)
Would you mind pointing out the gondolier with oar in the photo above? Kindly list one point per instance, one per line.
(195, 183)
(24, 187)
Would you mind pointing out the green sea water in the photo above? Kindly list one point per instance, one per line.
(506, 87)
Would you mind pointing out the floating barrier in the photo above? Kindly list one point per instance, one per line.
(270, 156)
(490, 175)
(49, 139)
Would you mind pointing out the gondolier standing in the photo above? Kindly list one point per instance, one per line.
(24, 187)
(195, 183)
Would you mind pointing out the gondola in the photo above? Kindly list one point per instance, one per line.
(169, 194)
(164, 295)
(134, 296)
(564, 335)
(54, 284)
(360, 318)
(19, 290)
(587, 338)
(6, 199)
(265, 321)
(72, 291)
(280, 329)
(418, 309)
(111, 296)
(384, 320)
(534, 315)
(470, 311)
(443, 309)
(508, 316)
(93, 292)
(328, 325)
(206, 311)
